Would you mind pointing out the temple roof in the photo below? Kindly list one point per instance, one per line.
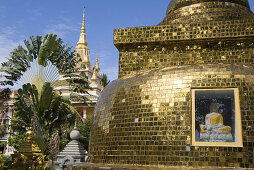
(84, 66)
(193, 11)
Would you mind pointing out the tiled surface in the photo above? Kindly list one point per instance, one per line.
(145, 117)
(142, 58)
(188, 41)
(187, 11)
(91, 166)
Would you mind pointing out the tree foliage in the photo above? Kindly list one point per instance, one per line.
(17, 139)
(104, 80)
(47, 48)
(5, 94)
(44, 49)
(3, 162)
(47, 114)
(84, 129)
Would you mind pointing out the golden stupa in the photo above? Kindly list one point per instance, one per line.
(158, 112)
(29, 155)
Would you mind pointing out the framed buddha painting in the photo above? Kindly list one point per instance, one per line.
(216, 118)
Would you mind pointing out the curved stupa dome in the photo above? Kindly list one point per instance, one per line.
(189, 11)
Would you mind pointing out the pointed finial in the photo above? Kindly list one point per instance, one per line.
(83, 29)
(96, 66)
(75, 126)
(94, 77)
(82, 38)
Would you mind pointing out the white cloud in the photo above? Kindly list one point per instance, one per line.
(8, 31)
(7, 44)
(60, 29)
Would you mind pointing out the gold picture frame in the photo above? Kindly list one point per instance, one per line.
(216, 118)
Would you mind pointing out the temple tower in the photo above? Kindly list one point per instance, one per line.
(83, 50)
(185, 91)
(84, 66)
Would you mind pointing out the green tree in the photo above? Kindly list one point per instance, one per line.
(42, 49)
(16, 139)
(3, 162)
(47, 114)
(84, 129)
(36, 104)
(47, 51)
(104, 80)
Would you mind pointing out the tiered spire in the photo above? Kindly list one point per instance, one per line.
(82, 37)
(83, 28)
(96, 65)
(82, 46)
(96, 70)
(83, 50)
(84, 67)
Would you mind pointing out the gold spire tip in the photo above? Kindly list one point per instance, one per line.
(83, 23)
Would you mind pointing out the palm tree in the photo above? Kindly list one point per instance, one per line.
(104, 80)
(46, 113)
(37, 66)
(47, 51)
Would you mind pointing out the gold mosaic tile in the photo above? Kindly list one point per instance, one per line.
(187, 11)
(144, 118)
(134, 124)
(152, 56)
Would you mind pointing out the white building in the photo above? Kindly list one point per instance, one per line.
(5, 119)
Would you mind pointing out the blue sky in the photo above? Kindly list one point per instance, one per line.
(21, 19)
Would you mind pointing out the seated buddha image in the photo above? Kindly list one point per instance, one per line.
(214, 129)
